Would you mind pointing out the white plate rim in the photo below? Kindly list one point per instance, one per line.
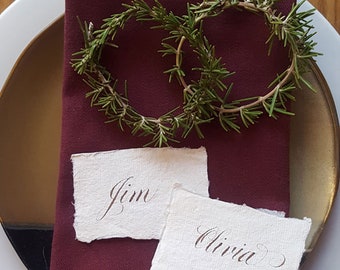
(37, 15)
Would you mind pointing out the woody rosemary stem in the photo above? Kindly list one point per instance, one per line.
(178, 54)
(287, 77)
(261, 99)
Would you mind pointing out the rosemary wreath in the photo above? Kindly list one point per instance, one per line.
(203, 101)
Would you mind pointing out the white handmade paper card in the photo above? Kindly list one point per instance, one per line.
(125, 193)
(202, 233)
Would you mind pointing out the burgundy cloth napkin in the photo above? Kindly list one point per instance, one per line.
(251, 167)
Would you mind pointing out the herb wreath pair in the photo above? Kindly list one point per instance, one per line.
(202, 99)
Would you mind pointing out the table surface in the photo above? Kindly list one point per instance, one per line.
(329, 8)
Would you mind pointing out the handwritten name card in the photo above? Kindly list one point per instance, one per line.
(202, 233)
(126, 193)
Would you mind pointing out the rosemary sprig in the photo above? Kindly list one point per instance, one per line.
(104, 92)
(206, 98)
(294, 30)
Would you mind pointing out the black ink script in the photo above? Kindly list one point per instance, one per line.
(216, 242)
(125, 192)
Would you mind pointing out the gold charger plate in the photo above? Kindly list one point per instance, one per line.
(30, 122)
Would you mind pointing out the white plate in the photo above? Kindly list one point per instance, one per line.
(25, 19)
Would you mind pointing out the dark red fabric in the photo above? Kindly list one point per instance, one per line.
(251, 167)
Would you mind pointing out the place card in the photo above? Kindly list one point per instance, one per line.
(125, 193)
(202, 233)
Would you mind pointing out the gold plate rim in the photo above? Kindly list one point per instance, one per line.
(336, 133)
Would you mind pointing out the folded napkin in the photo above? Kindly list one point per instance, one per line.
(251, 167)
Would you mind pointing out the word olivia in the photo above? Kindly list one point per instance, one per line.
(123, 192)
(217, 242)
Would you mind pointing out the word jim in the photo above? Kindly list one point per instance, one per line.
(124, 192)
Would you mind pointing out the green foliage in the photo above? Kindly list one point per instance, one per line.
(207, 98)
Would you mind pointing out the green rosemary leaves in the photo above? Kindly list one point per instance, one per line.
(202, 99)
